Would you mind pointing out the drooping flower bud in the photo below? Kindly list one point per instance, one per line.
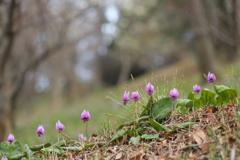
(174, 94)
(10, 138)
(81, 137)
(135, 96)
(197, 88)
(40, 130)
(125, 97)
(59, 126)
(85, 116)
(211, 77)
(149, 89)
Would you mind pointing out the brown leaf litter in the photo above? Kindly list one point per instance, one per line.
(216, 126)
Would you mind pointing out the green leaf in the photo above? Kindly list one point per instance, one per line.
(125, 124)
(28, 151)
(6, 147)
(142, 118)
(39, 147)
(129, 132)
(72, 148)
(135, 140)
(149, 136)
(60, 143)
(225, 93)
(196, 102)
(52, 149)
(183, 125)
(182, 102)
(119, 134)
(146, 111)
(140, 129)
(158, 127)
(17, 156)
(162, 108)
(207, 97)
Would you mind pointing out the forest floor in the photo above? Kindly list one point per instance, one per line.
(214, 136)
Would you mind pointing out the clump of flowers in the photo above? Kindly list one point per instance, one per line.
(149, 89)
(211, 77)
(196, 88)
(125, 97)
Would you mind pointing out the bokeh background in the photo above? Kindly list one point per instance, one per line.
(59, 57)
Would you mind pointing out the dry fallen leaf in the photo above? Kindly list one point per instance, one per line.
(119, 155)
(135, 155)
(200, 137)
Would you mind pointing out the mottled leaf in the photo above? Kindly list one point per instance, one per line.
(158, 127)
(162, 108)
(135, 140)
(39, 147)
(183, 125)
(149, 136)
(6, 147)
(119, 134)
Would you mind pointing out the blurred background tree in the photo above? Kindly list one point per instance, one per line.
(68, 48)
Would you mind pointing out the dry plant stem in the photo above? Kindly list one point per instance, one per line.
(66, 136)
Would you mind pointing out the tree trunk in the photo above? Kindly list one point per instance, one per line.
(126, 64)
(5, 114)
(56, 91)
(205, 53)
(234, 32)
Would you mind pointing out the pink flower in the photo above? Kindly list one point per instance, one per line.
(135, 96)
(40, 130)
(81, 137)
(11, 138)
(125, 97)
(149, 89)
(85, 116)
(174, 94)
(211, 77)
(60, 126)
(197, 88)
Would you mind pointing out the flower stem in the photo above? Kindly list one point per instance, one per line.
(43, 141)
(86, 130)
(10, 149)
(174, 109)
(135, 116)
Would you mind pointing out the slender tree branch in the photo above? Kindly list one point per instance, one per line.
(9, 33)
